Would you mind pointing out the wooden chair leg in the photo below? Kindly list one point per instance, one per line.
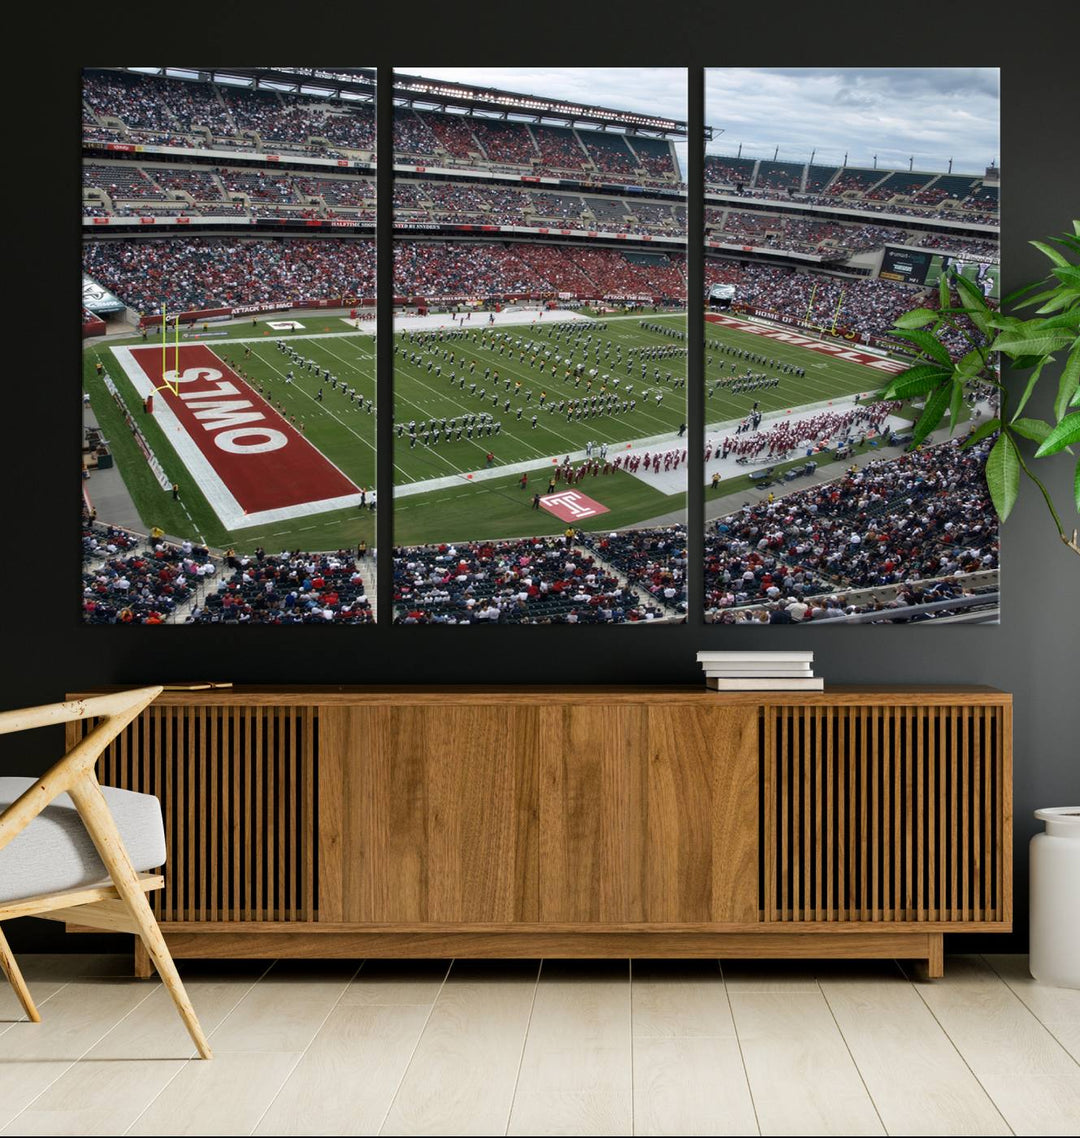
(15, 979)
(106, 838)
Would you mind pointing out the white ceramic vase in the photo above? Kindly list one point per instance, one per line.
(1055, 898)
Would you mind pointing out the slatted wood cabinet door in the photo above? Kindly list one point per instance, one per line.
(887, 813)
(239, 795)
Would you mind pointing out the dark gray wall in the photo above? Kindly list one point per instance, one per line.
(1033, 653)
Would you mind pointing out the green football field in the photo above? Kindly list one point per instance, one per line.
(440, 502)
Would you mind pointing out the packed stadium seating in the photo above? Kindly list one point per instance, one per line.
(521, 581)
(210, 272)
(955, 196)
(288, 588)
(650, 559)
(123, 585)
(864, 307)
(923, 515)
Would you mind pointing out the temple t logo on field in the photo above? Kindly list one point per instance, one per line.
(572, 506)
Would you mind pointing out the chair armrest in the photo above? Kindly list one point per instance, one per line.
(116, 711)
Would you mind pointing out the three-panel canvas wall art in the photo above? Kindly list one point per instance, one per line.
(546, 399)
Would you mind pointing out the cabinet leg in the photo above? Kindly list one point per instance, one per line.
(935, 964)
(143, 970)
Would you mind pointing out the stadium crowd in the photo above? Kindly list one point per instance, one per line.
(862, 307)
(211, 272)
(123, 585)
(923, 515)
(537, 580)
(288, 588)
(785, 436)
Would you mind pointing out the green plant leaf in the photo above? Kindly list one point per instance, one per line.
(1068, 274)
(1021, 363)
(980, 433)
(916, 318)
(943, 290)
(955, 403)
(1034, 429)
(914, 381)
(970, 365)
(1032, 380)
(1038, 298)
(1003, 474)
(928, 346)
(1012, 297)
(1030, 342)
(968, 290)
(1064, 434)
(933, 413)
(1050, 251)
(1068, 385)
(1065, 298)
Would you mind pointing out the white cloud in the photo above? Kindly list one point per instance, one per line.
(930, 114)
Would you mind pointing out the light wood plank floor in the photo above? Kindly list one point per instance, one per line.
(559, 1047)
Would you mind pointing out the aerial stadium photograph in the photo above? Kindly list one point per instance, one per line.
(540, 345)
(836, 201)
(228, 258)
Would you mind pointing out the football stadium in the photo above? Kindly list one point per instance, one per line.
(540, 364)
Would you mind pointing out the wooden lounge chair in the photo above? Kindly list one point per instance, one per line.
(72, 850)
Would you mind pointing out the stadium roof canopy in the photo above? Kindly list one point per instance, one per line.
(410, 90)
(356, 83)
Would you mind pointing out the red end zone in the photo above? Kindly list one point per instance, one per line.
(838, 351)
(261, 460)
(572, 505)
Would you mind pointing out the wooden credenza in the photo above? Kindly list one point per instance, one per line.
(576, 821)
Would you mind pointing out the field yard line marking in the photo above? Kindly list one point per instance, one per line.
(424, 384)
(431, 450)
(355, 370)
(326, 410)
(325, 458)
(512, 369)
(512, 468)
(284, 336)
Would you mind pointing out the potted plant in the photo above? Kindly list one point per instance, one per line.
(942, 378)
(942, 375)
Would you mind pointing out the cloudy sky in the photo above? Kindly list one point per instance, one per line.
(931, 113)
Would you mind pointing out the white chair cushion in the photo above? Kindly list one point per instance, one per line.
(55, 852)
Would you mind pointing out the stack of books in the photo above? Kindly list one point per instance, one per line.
(760, 671)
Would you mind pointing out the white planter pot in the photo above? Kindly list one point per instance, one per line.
(1055, 898)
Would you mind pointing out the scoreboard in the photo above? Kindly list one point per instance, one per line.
(907, 265)
(922, 267)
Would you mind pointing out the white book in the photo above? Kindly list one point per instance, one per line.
(762, 667)
(784, 683)
(759, 673)
(755, 657)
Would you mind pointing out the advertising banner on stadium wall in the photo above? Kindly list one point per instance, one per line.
(97, 299)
